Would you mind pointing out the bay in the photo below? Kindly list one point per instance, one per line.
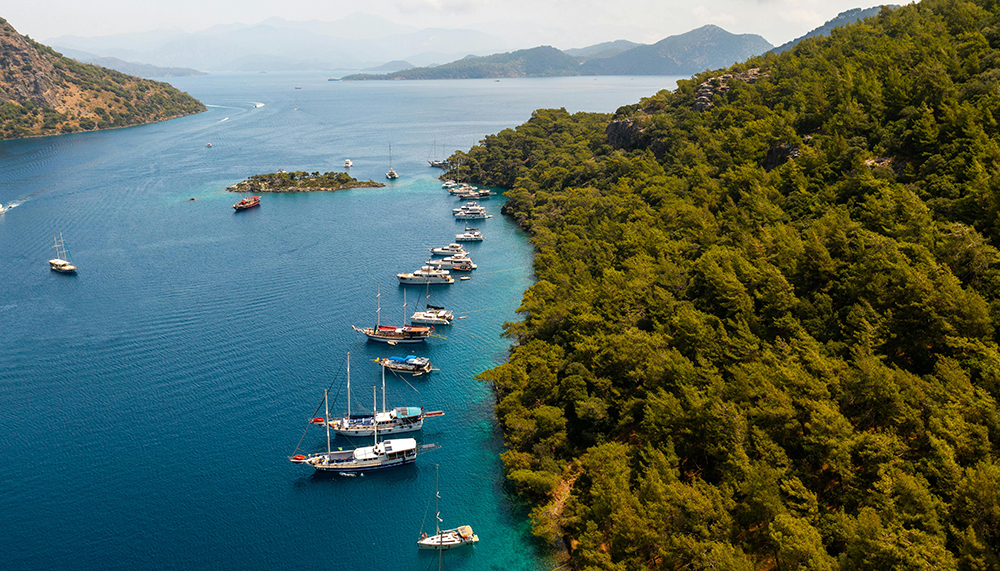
(149, 403)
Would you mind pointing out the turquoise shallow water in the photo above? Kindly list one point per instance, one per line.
(149, 403)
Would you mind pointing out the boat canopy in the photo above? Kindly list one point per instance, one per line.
(408, 412)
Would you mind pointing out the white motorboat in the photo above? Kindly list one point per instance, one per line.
(470, 235)
(449, 250)
(433, 315)
(61, 262)
(476, 194)
(462, 189)
(449, 184)
(445, 539)
(426, 275)
(459, 263)
(348, 163)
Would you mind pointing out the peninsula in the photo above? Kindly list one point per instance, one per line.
(43, 92)
(300, 181)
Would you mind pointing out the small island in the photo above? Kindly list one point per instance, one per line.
(282, 181)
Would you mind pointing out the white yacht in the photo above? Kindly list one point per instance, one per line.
(461, 189)
(433, 315)
(461, 263)
(449, 250)
(470, 235)
(348, 163)
(426, 275)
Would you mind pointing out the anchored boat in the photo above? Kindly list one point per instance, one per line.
(394, 421)
(445, 539)
(381, 455)
(392, 334)
(249, 202)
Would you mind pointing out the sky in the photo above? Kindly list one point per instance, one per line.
(526, 23)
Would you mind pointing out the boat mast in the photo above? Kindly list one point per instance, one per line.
(404, 306)
(437, 510)
(375, 412)
(383, 388)
(326, 404)
(348, 389)
(378, 302)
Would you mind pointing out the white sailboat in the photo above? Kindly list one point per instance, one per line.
(445, 539)
(391, 175)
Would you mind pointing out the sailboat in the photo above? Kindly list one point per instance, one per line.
(61, 262)
(445, 539)
(379, 456)
(435, 162)
(395, 421)
(391, 175)
(393, 334)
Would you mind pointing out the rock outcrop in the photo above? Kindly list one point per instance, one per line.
(720, 85)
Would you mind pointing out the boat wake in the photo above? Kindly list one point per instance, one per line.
(226, 119)
(10, 206)
(256, 105)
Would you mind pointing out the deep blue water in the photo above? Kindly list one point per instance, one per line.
(148, 404)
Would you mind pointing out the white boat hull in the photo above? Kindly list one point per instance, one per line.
(447, 539)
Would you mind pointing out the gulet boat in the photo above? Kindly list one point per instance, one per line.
(393, 421)
(380, 456)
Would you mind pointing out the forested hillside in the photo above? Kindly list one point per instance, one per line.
(764, 334)
(45, 93)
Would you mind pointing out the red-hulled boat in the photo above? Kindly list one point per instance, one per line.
(247, 203)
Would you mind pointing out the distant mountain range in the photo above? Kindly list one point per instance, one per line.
(355, 42)
(708, 47)
(131, 67)
(842, 19)
(366, 42)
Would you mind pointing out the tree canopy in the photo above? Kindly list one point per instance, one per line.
(764, 334)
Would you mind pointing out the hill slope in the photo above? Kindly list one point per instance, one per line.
(765, 335)
(842, 19)
(44, 93)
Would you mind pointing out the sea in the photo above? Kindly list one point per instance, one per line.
(149, 404)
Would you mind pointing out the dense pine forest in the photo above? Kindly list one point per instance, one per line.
(764, 329)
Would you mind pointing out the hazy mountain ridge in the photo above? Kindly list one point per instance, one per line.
(708, 47)
(354, 42)
(43, 92)
(603, 49)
